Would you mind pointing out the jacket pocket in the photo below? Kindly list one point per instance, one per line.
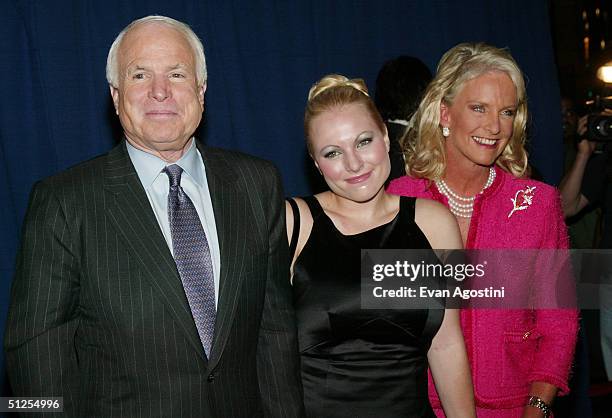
(519, 351)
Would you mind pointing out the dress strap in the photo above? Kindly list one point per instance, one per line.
(432, 324)
(295, 235)
(315, 207)
(407, 205)
(406, 213)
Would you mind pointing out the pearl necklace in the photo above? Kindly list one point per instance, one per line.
(462, 206)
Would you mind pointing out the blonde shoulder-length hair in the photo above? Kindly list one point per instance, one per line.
(423, 143)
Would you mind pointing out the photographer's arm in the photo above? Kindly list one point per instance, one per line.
(573, 200)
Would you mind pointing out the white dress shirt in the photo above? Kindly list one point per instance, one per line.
(193, 181)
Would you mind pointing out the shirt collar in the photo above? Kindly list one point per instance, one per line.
(191, 162)
(149, 166)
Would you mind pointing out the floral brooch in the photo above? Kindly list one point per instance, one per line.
(522, 199)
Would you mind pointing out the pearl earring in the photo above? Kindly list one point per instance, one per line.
(445, 131)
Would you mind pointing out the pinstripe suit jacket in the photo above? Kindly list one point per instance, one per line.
(98, 314)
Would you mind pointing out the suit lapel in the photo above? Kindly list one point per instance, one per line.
(231, 222)
(132, 215)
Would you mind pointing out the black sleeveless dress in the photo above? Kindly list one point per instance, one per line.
(359, 363)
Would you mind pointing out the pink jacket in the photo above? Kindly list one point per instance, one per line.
(509, 349)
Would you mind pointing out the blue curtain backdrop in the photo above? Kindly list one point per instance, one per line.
(262, 55)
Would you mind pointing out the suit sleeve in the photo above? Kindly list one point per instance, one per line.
(42, 317)
(277, 351)
(557, 328)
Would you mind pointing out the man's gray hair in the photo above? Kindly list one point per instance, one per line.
(112, 62)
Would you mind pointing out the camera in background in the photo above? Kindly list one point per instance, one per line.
(599, 121)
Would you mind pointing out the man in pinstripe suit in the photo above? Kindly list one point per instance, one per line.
(99, 314)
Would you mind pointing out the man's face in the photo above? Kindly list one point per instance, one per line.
(158, 99)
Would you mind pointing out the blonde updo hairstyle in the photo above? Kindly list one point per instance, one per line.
(335, 90)
(423, 143)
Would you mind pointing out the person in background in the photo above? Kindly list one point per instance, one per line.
(358, 362)
(582, 226)
(465, 149)
(152, 281)
(399, 87)
(588, 183)
(582, 230)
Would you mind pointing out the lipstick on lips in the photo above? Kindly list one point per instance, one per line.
(359, 179)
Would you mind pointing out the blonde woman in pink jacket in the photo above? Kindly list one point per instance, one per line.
(465, 149)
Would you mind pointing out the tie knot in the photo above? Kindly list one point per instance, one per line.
(174, 174)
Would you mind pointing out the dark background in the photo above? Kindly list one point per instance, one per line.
(263, 56)
(582, 37)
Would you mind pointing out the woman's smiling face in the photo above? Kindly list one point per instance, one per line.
(351, 152)
(480, 119)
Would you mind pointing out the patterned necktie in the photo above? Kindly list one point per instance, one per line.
(192, 257)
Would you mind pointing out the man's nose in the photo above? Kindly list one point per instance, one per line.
(160, 88)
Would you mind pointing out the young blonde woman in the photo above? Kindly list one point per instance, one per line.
(361, 362)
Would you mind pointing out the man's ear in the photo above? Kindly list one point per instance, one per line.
(201, 91)
(114, 91)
